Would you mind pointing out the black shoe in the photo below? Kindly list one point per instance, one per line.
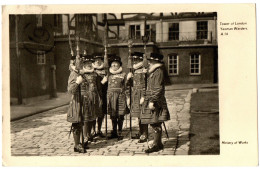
(91, 139)
(79, 149)
(113, 135)
(86, 144)
(142, 140)
(154, 149)
(137, 136)
(94, 134)
(100, 134)
(120, 137)
(161, 146)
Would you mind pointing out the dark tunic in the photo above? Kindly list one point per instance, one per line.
(155, 93)
(73, 114)
(101, 73)
(91, 96)
(138, 83)
(116, 95)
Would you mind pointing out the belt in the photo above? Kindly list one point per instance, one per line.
(114, 89)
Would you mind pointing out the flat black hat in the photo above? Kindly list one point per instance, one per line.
(98, 55)
(138, 55)
(114, 58)
(88, 58)
(156, 56)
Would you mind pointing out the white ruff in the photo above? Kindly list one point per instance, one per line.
(154, 67)
(88, 70)
(98, 67)
(115, 72)
(138, 65)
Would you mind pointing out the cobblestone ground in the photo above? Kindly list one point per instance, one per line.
(46, 134)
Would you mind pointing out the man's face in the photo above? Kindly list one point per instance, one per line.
(115, 66)
(87, 66)
(98, 62)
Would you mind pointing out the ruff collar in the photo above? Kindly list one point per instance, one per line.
(88, 70)
(115, 72)
(152, 68)
(138, 65)
(98, 67)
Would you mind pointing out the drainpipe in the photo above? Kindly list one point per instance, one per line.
(215, 19)
(19, 92)
(161, 30)
(54, 91)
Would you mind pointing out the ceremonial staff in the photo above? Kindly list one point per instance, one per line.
(130, 67)
(78, 67)
(145, 39)
(106, 66)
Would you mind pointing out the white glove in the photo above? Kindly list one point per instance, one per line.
(145, 70)
(129, 75)
(142, 100)
(79, 80)
(151, 106)
(81, 71)
(104, 80)
(128, 102)
(73, 67)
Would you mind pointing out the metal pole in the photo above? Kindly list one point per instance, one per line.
(78, 67)
(106, 66)
(19, 92)
(130, 67)
(105, 57)
(166, 130)
(54, 93)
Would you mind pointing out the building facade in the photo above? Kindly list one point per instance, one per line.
(31, 56)
(41, 45)
(188, 42)
(40, 51)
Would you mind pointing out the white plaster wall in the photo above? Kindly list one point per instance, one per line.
(187, 30)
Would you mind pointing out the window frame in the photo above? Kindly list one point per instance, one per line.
(58, 23)
(41, 57)
(151, 32)
(174, 31)
(169, 64)
(201, 36)
(199, 68)
(135, 31)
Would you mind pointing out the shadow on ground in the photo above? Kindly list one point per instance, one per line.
(37, 120)
(204, 130)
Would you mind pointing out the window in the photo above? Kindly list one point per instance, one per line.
(39, 20)
(173, 64)
(202, 30)
(57, 20)
(151, 31)
(195, 64)
(41, 58)
(135, 32)
(173, 31)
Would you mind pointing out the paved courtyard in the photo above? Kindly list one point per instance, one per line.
(46, 134)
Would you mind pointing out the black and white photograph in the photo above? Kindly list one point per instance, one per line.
(149, 86)
(115, 84)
